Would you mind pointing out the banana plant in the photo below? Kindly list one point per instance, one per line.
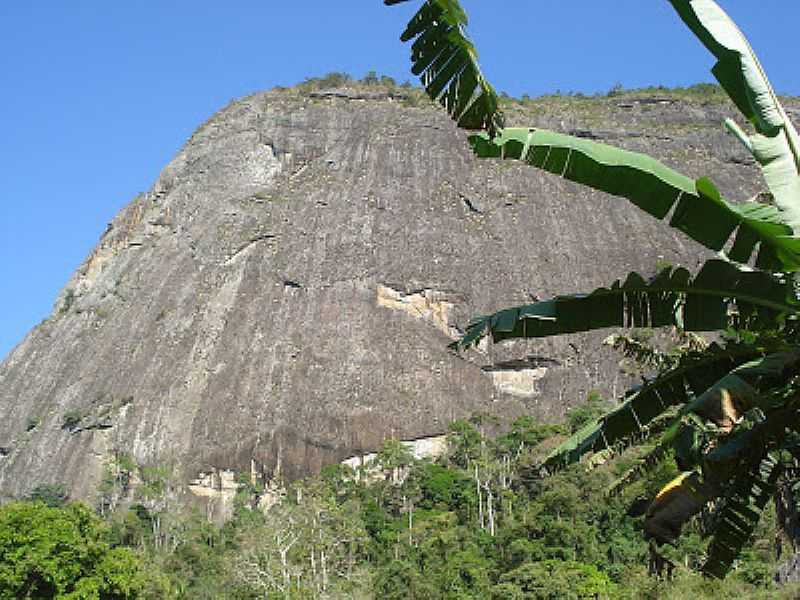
(729, 415)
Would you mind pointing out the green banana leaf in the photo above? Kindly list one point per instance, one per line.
(747, 386)
(640, 352)
(776, 144)
(698, 210)
(672, 297)
(732, 450)
(630, 422)
(447, 64)
(760, 382)
(741, 474)
(743, 504)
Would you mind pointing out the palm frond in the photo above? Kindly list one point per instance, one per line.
(447, 63)
(649, 462)
(688, 341)
(674, 505)
(737, 69)
(742, 458)
(740, 470)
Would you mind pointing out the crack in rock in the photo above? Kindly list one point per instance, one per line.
(247, 245)
(470, 205)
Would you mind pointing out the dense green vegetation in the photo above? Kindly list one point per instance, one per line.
(54, 552)
(475, 523)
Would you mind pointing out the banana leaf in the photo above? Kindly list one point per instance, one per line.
(779, 425)
(747, 386)
(752, 383)
(447, 63)
(744, 501)
(696, 206)
(719, 296)
(776, 144)
(629, 423)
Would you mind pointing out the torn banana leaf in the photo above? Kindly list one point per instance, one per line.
(719, 296)
(447, 63)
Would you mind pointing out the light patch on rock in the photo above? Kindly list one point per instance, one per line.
(429, 447)
(100, 272)
(428, 305)
(219, 489)
(422, 448)
(95, 265)
(218, 484)
(518, 382)
(119, 236)
(274, 492)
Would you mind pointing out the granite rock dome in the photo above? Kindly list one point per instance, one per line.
(284, 295)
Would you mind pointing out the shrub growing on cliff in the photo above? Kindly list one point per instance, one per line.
(728, 414)
(53, 495)
(71, 420)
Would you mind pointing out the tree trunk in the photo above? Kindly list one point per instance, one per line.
(410, 521)
(324, 570)
(490, 510)
(480, 499)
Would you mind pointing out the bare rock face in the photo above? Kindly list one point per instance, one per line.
(284, 295)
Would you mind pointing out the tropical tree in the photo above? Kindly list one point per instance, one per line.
(63, 552)
(727, 414)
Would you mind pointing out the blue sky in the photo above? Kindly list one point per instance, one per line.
(96, 96)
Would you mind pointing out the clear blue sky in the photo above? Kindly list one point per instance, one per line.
(97, 96)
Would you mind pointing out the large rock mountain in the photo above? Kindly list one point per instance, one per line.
(284, 295)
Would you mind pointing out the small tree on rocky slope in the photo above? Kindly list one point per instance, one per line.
(729, 414)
